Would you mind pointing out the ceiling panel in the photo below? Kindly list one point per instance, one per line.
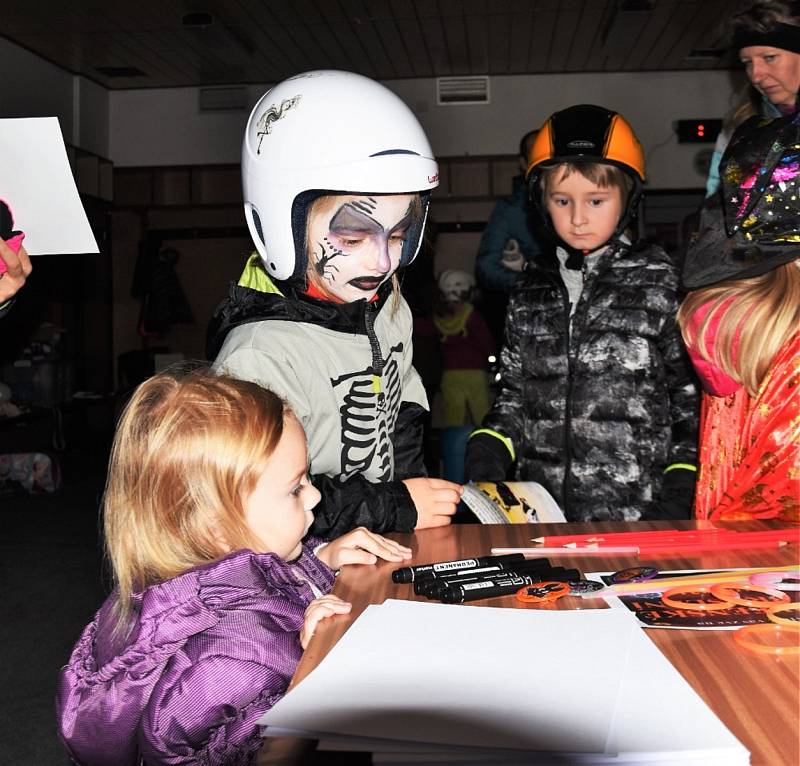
(255, 41)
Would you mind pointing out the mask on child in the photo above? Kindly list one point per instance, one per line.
(356, 242)
(455, 285)
(713, 379)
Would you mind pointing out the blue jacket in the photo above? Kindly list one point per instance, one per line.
(509, 220)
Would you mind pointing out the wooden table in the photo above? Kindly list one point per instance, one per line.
(757, 697)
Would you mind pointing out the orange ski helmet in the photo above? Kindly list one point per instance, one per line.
(587, 133)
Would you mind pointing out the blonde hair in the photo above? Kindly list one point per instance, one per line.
(763, 310)
(189, 448)
(312, 274)
(599, 173)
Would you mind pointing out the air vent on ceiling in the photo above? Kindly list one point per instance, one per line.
(452, 91)
(120, 71)
(223, 99)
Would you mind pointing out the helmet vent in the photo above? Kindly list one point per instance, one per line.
(257, 224)
(454, 91)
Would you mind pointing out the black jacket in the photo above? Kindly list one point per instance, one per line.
(346, 502)
(596, 417)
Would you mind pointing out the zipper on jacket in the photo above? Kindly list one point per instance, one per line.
(377, 356)
(566, 483)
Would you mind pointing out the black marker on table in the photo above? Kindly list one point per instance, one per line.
(429, 586)
(409, 574)
(422, 584)
(500, 586)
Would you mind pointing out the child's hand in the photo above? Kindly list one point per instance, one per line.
(434, 499)
(17, 268)
(361, 547)
(319, 609)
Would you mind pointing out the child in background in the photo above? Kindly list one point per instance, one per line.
(595, 400)
(206, 507)
(466, 346)
(740, 323)
(337, 173)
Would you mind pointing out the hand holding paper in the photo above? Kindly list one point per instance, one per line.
(17, 269)
(434, 499)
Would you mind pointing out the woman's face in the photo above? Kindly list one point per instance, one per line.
(773, 71)
(355, 242)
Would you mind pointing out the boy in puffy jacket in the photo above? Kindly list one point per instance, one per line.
(595, 401)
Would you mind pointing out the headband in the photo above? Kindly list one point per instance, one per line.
(783, 36)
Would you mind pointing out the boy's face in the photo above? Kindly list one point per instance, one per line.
(278, 511)
(355, 242)
(584, 214)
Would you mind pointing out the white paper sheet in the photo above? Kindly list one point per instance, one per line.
(36, 182)
(587, 684)
(466, 676)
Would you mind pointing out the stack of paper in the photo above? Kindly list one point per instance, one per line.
(434, 683)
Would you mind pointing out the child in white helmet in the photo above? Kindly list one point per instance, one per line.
(337, 174)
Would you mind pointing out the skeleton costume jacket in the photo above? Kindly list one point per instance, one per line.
(597, 412)
(345, 370)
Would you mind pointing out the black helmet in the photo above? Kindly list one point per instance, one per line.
(591, 134)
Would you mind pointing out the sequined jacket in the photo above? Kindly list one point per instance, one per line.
(597, 416)
(210, 651)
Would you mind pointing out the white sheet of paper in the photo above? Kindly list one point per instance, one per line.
(659, 712)
(456, 675)
(415, 673)
(37, 183)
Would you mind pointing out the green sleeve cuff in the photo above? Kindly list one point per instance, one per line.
(682, 466)
(506, 441)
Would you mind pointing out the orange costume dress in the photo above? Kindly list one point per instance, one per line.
(749, 447)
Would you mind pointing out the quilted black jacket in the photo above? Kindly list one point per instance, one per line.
(598, 416)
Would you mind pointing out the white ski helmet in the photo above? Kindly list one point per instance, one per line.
(327, 132)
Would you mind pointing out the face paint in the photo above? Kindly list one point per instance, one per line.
(355, 242)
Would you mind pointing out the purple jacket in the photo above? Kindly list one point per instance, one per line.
(211, 650)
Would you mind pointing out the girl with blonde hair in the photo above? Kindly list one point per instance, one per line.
(207, 505)
(740, 323)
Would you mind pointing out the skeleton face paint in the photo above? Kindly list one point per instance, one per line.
(355, 242)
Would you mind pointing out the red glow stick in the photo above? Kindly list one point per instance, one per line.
(719, 547)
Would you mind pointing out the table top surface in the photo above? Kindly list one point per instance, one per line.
(756, 696)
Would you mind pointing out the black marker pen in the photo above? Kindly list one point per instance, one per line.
(499, 586)
(435, 590)
(409, 574)
(430, 585)
(421, 584)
